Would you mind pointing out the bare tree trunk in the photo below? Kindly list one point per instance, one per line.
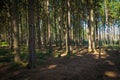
(106, 21)
(49, 28)
(38, 25)
(68, 28)
(31, 62)
(89, 37)
(96, 32)
(16, 32)
(60, 33)
(91, 34)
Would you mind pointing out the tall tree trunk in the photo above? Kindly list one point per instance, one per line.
(60, 32)
(16, 31)
(27, 26)
(68, 27)
(49, 28)
(38, 25)
(106, 21)
(96, 32)
(89, 38)
(91, 35)
(10, 29)
(32, 61)
(56, 31)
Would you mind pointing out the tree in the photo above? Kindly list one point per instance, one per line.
(68, 28)
(91, 33)
(32, 58)
(15, 21)
(38, 24)
(49, 27)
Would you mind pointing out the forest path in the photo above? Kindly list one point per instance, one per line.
(83, 66)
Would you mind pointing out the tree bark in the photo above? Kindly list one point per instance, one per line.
(68, 28)
(49, 28)
(91, 34)
(32, 61)
(38, 25)
(16, 31)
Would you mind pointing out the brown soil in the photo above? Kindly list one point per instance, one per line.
(83, 66)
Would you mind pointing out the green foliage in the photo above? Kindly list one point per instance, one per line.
(4, 44)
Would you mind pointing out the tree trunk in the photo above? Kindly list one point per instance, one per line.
(49, 28)
(16, 31)
(68, 28)
(31, 62)
(38, 25)
(60, 32)
(91, 35)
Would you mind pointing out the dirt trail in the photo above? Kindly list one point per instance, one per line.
(83, 66)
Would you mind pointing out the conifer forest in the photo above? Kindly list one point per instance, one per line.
(59, 39)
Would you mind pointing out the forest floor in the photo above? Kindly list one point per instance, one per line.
(81, 66)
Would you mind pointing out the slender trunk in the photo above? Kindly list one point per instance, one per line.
(92, 31)
(16, 32)
(32, 62)
(97, 34)
(49, 28)
(60, 33)
(91, 34)
(27, 27)
(68, 28)
(38, 26)
(106, 21)
(89, 38)
(11, 36)
(56, 33)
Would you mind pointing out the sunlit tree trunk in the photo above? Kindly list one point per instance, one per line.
(68, 28)
(49, 27)
(31, 62)
(91, 34)
(89, 38)
(16, 31)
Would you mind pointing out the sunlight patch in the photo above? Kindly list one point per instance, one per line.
(101, 55)
(52, 66)
(111, 74)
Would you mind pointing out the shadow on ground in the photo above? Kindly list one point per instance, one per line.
(83, 66)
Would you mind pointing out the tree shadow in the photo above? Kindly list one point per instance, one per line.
(82, 66)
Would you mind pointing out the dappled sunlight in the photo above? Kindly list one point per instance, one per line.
(111, 74)
(52, 66)
(81, 62)
(101, 55)
(64, 54)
